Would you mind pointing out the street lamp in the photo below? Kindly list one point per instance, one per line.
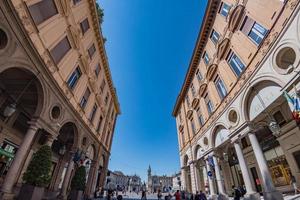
(11, 108)
(273, 125)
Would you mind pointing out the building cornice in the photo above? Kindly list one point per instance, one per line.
(207, 23)
(102, 51)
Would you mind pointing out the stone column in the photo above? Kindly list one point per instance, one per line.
(205, 178)
(18, 161)
(89, 186)
(218, 177)
(270, 191)
(50, 140)
(183, 179)
(251, 194)
(210, 180)
(194, 183)
(67, 179)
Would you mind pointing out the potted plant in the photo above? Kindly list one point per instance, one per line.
(78, 183)
(37, 175)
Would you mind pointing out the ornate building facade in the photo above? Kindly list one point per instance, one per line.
(55, 89)
(163, 183)
(234, 125)
(117, 180)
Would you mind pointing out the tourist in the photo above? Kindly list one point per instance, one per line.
(159, 195)
(177, 195)
(236, 193)
(294, 184)
(202, 196)
(197, 196)
(144, 197)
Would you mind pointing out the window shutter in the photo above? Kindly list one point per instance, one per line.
(247, 25)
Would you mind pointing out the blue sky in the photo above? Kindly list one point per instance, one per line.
(149, 46)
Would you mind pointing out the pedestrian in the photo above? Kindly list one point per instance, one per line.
(202, 196)
(294, 184)
(159, 195)
(97, 193)
(144, 197)
(197, 196)
(177, 195)
(169, 196)
(236, 193)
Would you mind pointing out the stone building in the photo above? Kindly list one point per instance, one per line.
(163, 183)
(56, 89)
(234, 124)
(176, 182)
(117, 180)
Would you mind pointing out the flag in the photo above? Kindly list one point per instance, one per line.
(211, 161)
(294, 104)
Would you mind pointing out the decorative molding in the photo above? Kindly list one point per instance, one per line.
(222, 48)
(211, 71)
(235, 17)
(189, 114)
(202, 89)
(195, 103)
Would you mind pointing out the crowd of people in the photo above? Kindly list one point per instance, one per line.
(237, 193)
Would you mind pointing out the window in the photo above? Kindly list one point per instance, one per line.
(106, 98)
(97, 69)
(244, 142)
(206, 58)
(107, 137)
(99, 124)
(214, 37)
(224, 10)
(235, 63)
(84, 25)
(193, 126)
(220, 87)
(74, 78)
(209, 104)
(279, 118)
(199, 76)
(193, 90)
(42, 11)
(254, 30)
(187, 100)
(200, 117)
(92, 51)
(102, 85)
(94, 110)
(76, 1)
(85, 98)
(60, 50)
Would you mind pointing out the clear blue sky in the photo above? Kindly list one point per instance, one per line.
(149, 46)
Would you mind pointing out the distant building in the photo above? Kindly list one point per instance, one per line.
(155, 183)
(118, 181)
(176, 181)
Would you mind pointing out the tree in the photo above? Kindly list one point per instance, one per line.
(100, 13)
(78, 181)
(38, 171)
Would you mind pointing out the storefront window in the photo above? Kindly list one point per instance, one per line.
(7, 154)
(278, 165)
